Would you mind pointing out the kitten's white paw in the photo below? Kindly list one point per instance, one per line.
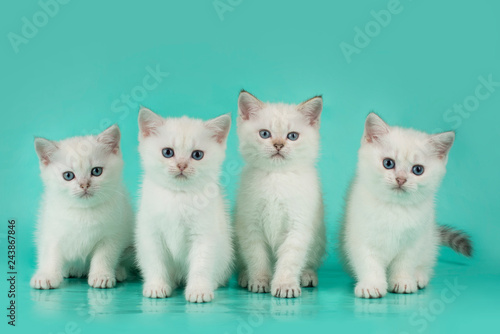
(285, 289)
(309, 278)
(121, 273)
(422, 280)
(199, 294)
(102, 280)
(243, 279)
(259, 284)
(45, 281)
(156, 290)
(403, 285)
(370, 289)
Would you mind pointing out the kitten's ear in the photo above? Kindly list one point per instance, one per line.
(248, 105)
(442, 142)
(312, 109)
(45, 149)
(149, 122)
(375, 128)
(111, 138)
(220, 127)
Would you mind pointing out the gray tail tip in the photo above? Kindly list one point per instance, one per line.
(468, 250)
(457, 240)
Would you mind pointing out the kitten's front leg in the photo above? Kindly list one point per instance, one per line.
(253, 249)
(103, 264)
(49, 273)
(369, 271)
(291, 260)
(402, 275)
(152, 259)
(200, 280)
(405, 270)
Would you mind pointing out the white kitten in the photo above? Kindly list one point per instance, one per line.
(183, 232)
(86, 220)
(389, 229)
(279, 211)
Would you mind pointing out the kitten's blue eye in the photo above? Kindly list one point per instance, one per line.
(167, 152)
(197, 155)
(293, 136)
(418, 169)
(389, 163)
(96, 171)
(264, 134)
(68, 176)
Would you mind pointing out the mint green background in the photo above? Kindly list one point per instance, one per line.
(64, 82)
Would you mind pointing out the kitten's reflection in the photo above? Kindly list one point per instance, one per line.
(83, 302)
(200, 308)
(156, 305)
(285, 308)
(364, 306)
(392, 303)
(100, 301)
(47, 300)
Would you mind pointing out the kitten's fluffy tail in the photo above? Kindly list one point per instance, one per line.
(457, 240)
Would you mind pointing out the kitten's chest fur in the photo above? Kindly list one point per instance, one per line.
(277, 193)
(398, 226)
(178, 216)
(77, 229)
(390, 225)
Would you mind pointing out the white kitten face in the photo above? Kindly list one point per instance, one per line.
(278, 135)
(402, 165)
(85, 170)
(180, 153)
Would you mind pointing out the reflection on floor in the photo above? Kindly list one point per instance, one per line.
(459, 298)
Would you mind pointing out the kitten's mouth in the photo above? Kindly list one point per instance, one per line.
(277, 155)
(181, 176)
(399, 189)
(86, 195)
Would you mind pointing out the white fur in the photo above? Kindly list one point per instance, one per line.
(82, 236)
(390, 237)
(279, 211)
(183, 233)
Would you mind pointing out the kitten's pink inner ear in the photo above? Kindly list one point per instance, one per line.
(375, 128)
(442, 143)
(312, 109)
(220, 127)
(45, 160)
(111, 138)
(45, 149)
(248, 105)
(148, 122)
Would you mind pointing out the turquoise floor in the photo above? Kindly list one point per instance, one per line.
(460, 299)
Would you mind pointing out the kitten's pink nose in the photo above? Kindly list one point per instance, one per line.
(401, 180)
(182, 166)
(85, 185)
(278, 146)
